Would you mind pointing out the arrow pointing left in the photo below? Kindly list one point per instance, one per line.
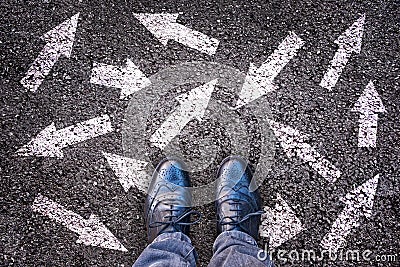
(59, 42)
(50, 141)
(192, 105)
(91, 232)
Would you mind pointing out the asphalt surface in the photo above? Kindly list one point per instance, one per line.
(248, 31)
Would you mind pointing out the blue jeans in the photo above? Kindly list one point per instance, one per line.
(231, 248)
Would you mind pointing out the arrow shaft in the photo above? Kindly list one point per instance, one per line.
(83, 131)
(171, 127)
(338, 63)
(192, 38)
(41, 66)
(111, 76)
(58, 213)
(275, 63)
(367, 132)
(341, 228)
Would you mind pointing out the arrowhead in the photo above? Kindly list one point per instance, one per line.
(351, 39)
(43, 144)
(196, 101)
(96, 234)
(136, 80)
(280, 224)
(362, 198)
(255, 85)
(158, 24)
(369, 101)
(130, 172)
(63, 35)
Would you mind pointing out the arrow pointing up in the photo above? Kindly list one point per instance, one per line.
(280, 223)
(164, 27)
(369, 104)
(349, 42)
(50, 141)
(192, 105)
(259, 81)
(359, 203)
(59, 43)
(92, 232)
(130, 172)
(129, 79)
(294, 144)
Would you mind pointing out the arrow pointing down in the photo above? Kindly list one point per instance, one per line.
(164, 27)
(59, 42)
(192, 105)
(91, 232)
(369, 104)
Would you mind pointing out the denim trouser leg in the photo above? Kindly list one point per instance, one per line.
(168, 249)
(235, 248)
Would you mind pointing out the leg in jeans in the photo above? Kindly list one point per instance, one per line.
(168, 249)
(236, 248)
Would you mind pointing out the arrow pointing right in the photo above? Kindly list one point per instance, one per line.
(294, 144)
(349, 42)
(164, 27)
(192, 105)
(91, 232)
(129, 79)
(59, 43)
(369, 104)
(280, 223)
(359, 202)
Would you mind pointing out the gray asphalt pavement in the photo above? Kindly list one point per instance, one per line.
(249, 32)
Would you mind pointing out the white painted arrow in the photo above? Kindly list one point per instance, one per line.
(164, 27)
(129, 79)
(130, 172)
(294, 144)
(259, 81)
(92, 232)
(59, 43)
(369, 104)
(359, 203)
(349, 42)
(280, 223)
(50, 142)
(192, 105)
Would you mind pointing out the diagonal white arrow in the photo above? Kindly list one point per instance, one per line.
(129, 79)
(50, 141)
(130, 172)
(349, 42)
(192, 105)
(280, 224)
(359, 202)
(59, 43)
(294, 144)
(92, 232)
(164, 27)
(369, 104)
(259, 81)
